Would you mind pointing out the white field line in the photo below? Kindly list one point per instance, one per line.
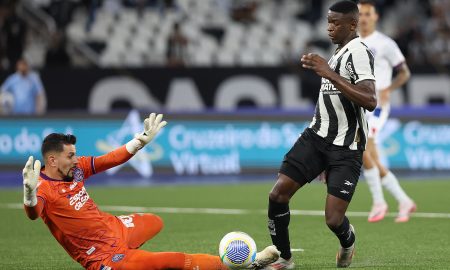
(222, 211)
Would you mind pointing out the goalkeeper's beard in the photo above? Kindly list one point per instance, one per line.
(65, 176)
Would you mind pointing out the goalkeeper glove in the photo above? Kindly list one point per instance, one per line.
(30, 175)
(152, 125)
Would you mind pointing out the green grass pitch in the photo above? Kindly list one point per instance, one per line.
(422, 243)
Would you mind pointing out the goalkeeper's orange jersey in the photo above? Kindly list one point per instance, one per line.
(85, 232)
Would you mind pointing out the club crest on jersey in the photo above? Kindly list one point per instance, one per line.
(117, 257)
(78, 174)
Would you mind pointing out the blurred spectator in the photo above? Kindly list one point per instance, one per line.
(414, 44)
(62, 11)
(290, 56)
(163, 6)
(3, 12)
(243, 10)
(425, 39)
(57, 55)
(13, 34)
(177, 47)
(25, 88)
(92, 7)
(438, 32)
(313, 11)
(112, 7)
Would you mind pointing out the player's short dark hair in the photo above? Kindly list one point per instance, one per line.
(345, 7)
(368, 2)
(55, 142)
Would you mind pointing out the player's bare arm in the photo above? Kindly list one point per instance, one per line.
(363, 93)
(403, 75)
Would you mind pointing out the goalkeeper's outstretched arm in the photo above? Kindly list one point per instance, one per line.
(152, 125)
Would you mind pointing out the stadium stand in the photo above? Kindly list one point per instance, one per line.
(115, 33)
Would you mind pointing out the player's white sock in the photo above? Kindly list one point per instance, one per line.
(373, 180)
(390, 182)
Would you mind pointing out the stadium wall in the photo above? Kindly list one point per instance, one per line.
(101, 91)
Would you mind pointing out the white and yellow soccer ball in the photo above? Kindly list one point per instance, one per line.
(237, 250)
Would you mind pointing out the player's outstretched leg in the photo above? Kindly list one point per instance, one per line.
(339, 224)
(144, 260)
(279, 218)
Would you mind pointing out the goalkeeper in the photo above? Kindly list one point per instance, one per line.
(95, 239)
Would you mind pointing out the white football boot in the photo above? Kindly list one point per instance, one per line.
(405, 210)
(345, 255)
(265, 257)
(281, 264)
(377, 212)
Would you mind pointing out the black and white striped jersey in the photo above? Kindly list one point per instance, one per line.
(337, 119)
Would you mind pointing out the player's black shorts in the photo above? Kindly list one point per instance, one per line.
(311, 155)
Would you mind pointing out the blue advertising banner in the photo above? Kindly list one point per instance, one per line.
(191, 147)
(416, 145)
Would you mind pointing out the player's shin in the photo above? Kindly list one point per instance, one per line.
(344, 233)
(391, 183)
(279, 218)
(372, 176)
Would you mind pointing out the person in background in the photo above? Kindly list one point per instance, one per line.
(177, 47)
(388, 58)
(26, 92)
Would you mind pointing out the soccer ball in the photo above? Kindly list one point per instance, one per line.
(237, 250)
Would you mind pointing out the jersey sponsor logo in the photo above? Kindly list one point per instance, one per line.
(117, 257)
(345, 192)
(73, 185)
(328, 88)
(79, 199)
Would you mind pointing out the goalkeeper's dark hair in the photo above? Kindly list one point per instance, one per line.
(345, 7)
(55, 142)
